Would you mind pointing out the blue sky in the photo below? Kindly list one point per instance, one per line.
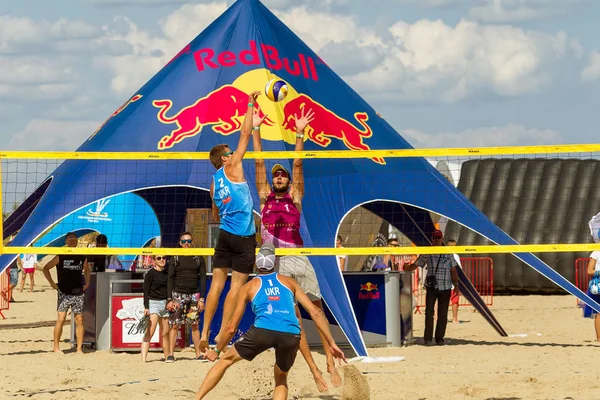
(444, 73)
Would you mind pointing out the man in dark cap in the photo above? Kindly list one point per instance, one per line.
(441, 275)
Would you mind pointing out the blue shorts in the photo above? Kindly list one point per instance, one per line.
(158, 307)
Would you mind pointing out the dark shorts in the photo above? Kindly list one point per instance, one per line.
(235, 252)
(257, 340)
(72, 301)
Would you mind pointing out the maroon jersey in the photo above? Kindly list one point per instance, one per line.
(281, 222)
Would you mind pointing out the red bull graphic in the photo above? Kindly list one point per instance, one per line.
(223, 108)
(327, 124)
(368, 291)
(127, 103)
(304, 66)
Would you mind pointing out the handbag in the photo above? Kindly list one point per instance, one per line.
(143, 323)
(430, 280)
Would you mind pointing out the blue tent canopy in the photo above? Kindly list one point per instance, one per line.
(127, 219)
(198, 101)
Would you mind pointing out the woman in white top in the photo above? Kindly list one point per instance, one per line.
(28, 263)
(594, 270)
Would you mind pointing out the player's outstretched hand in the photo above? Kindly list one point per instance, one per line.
(253, 97)
(337, 353)
(304, 119)
(203, 344)
(211, 355)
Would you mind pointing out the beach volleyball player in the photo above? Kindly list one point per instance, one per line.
(276, 325)
(233, 207)
(280, 207)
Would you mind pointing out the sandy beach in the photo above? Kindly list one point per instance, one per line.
(549, 354)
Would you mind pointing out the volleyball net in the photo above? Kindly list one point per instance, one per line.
(542, 196)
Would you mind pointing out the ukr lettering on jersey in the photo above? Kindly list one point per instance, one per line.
(224, 192)
(272, 293)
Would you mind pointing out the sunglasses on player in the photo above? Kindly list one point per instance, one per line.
(282, 174)
(160, 258)
(184, 241)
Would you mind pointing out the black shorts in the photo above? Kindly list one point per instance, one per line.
(257, 340)
(235, 252)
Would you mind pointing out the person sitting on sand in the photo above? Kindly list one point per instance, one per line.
(276, 325)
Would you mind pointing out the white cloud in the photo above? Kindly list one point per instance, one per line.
(592, 71)
(509, 135)
(520, 10)
(432, 3)
(26, 35)
(273, 5)
(147, 3)
(431, 61)
(423, 61)
(45, 134)
(149, 53)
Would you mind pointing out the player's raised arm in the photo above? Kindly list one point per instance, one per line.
(262, 184)
(246, 132)
(297, 191)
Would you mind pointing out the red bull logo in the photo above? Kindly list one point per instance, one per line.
(304, 65)
(368, 291)
(223, 108)
(327, 124)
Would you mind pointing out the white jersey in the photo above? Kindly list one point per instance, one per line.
(28, 261)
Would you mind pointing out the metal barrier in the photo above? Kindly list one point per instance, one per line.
(581, 275)
(479, 270)
(5, 291)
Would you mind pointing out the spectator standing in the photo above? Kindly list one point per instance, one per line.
(441, 275)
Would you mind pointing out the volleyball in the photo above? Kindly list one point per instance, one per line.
(276, 90)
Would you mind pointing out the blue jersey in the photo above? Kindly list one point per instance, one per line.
(235, 206)
(274, 306)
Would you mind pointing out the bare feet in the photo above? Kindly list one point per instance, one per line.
(336, 379)
(58, 351)
(80, 352)
(455, 321)
(319, 380)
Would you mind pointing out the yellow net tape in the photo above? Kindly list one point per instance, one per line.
(321, 251)
(438, 152)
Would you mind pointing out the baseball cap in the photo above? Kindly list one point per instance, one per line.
(279, 167)
(437, 233)
(265, 259)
